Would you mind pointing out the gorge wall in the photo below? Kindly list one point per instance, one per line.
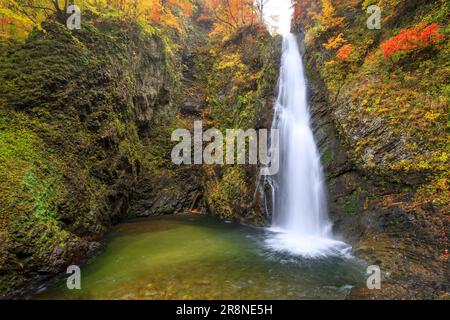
(78, 113)
(243, 99)
(86, 120)
(385, 156)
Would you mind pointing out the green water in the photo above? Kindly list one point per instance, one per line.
(201, 258)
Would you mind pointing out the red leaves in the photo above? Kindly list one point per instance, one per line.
(344, 52)
(230, 15)
(304, 11)
(409, 39)
(300, 10)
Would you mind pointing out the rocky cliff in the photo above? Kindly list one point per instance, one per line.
(381, 127)
(240, 78)
(86, 121)
(78, 113)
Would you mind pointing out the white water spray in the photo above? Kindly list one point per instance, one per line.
(300, 222)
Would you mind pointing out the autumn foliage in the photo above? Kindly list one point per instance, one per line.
(305, 11)
(229, 15)
(409, 39)
(344, 52)
(335, 42)
(329, 18)
(17, 18)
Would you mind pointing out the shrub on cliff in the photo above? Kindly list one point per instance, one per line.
(407, 40)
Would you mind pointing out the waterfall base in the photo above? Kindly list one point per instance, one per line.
(281, 240)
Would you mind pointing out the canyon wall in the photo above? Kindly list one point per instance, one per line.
(385, 157)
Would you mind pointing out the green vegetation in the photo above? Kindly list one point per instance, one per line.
(243, 99)
(389, 86)
(387, 97)
(70, 138)
(86, 118)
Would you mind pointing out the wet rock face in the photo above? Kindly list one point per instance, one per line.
(165, 195)
(165, 188)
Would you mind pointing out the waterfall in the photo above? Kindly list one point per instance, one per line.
(300, 223)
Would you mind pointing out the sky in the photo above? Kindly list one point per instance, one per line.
(281, 9)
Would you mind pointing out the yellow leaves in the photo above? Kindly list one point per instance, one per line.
(432, 116)
(9, 14)
(221, 30)
(19, 17)
(171, 21)
(14, 24)
(444, 157)
(335, 42)
(424, 165)
(230, 61)
(328, 17)
(328, 9)
(165, 13)
(236, 68)
(442, 184)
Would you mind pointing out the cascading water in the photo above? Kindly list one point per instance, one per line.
(300, 224)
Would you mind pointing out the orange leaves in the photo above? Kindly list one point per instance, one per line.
(343, 53)
(154, 11)
(301, 9)
(4, 22)
(231, 14)
(184, 6)
(166, 13)
(409, 39)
